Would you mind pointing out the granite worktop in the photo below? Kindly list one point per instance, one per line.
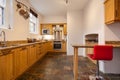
(20, 45)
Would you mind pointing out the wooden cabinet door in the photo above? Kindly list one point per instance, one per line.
(64, 46)
(23, 56)
(6, 66)
(48, 27)
(20, 61)
(49, 46)
(65, 29)
(109, 11)
(117, 9)
(38, 51)
(32, 55)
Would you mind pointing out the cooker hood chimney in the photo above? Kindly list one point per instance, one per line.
(57, 28)
(57, 33)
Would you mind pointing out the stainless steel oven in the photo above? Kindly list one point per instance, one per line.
(57, 45)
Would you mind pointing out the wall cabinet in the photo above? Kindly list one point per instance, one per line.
(65, 29)
(46, 29)
(112, 11)
(49, 27)
(6, 66)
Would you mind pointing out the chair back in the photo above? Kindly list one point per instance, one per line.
(103, 52)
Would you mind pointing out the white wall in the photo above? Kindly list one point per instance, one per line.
(112, 32)
(54, 19)
(94, 23)
(20, 29)
(74, 29)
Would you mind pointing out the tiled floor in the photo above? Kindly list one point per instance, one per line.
(60, 67)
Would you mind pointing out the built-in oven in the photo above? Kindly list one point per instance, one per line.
(57, 45)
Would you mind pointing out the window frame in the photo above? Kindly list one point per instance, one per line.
(33, 22)
(7, 15)
(3, 6)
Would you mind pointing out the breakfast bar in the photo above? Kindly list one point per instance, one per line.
(75, 58)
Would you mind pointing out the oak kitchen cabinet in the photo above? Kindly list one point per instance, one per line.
(49, 46)
(38, 51)
(32, 56)
(6, 65)
(49, 28)
(20, 60)
(65, 29)
(112, 11)
(46, 29)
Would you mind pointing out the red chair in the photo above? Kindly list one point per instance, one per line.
(101, 52)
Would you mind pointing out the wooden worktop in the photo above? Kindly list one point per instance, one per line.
(91, 46)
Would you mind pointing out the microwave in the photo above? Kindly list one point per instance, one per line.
(45, 31)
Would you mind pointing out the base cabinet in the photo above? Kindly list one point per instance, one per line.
(32, 57)
(6, 66)
(20, 61)
(15, 61)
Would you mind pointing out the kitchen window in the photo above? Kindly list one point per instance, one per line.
(6, 14)
(33, 25)
(2, 8)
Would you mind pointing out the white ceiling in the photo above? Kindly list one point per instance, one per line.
(57, 7)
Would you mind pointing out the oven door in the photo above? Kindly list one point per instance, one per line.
(57, 45)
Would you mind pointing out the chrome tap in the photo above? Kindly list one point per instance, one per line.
(3, 43)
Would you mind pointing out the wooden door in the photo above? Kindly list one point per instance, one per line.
(6, 66)
(65, 29)
(20, 61)
(117, 9)
(32, 55)
(38, 51)
(23, 56)
(109, 11)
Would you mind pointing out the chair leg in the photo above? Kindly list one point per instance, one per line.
(97, 76)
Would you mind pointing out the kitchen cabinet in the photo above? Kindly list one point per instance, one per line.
(46, 29)
(32, 56)
(44, 48)
(65, 29)
(112, 11)
(63, 46)
(20, 61)
(6, 65)
(49, 46)
(49, 28)
(39, 51)
(15, 61)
